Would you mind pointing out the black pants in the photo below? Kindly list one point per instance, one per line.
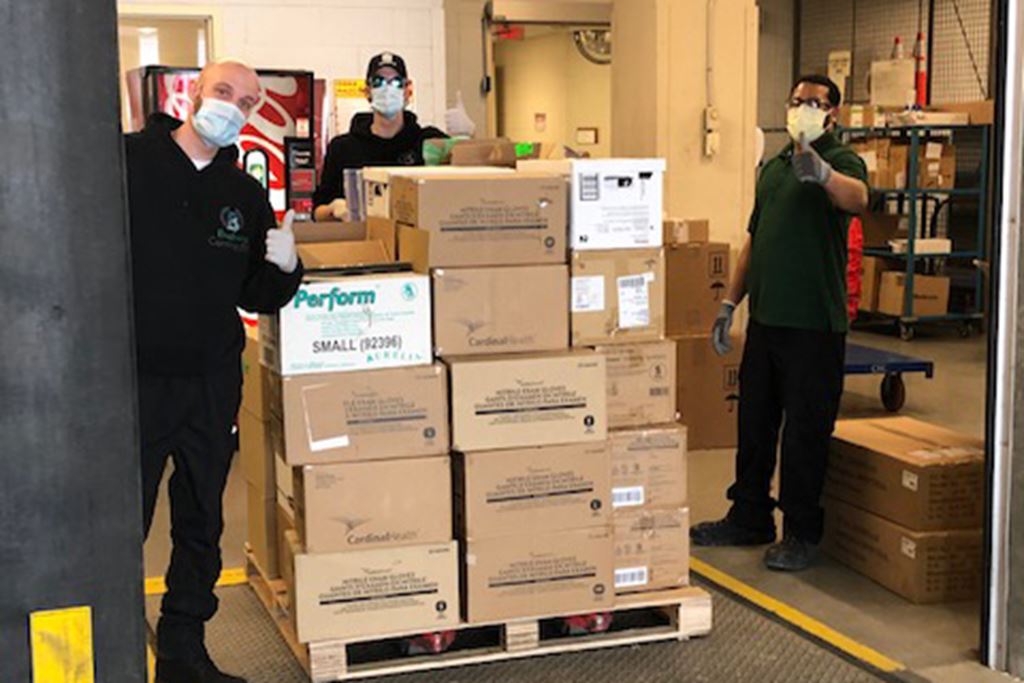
(189, 419)
(794, 376)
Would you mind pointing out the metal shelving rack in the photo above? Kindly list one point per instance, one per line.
(916, 199)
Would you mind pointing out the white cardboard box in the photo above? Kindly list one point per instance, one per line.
(377, 182)
(355, 322)
(616, 204)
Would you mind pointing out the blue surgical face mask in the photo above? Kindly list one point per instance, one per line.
(218, 123)
(388, 100)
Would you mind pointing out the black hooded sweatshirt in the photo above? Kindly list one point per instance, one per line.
(360, 148)
(198, 241)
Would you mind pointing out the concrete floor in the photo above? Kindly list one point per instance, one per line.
(938, 643)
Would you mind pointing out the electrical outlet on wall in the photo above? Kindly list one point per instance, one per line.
(712, 136)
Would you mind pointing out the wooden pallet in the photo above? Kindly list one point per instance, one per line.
(647, 617)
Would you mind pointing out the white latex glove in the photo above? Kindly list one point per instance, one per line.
(281, 245)
(339, 209)
(457, 121)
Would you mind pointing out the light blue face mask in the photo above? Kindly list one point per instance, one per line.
(218, 123)
(388, 100)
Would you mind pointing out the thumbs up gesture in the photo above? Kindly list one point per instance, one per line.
(457, 121)
(281, 245)
(808, 165)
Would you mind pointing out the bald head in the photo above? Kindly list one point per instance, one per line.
(232, 82)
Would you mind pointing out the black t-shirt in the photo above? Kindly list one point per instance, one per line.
(198, 243)
(360, 148)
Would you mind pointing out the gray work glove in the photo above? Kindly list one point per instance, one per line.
(720, 339)
(808, 165)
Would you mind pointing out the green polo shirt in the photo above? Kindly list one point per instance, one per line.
(797, 275)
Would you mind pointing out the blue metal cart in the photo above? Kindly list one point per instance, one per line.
(864, 360)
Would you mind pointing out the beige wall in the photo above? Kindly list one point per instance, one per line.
(658, 99)
(546, 74)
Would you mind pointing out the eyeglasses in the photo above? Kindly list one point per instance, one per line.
(396, 81)
(795, 102)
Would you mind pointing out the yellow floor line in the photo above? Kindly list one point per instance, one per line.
(229, 577)
(797, 618)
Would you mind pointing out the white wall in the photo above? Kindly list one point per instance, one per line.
(333, 38)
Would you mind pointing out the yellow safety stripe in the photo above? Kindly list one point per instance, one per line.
(229, 577)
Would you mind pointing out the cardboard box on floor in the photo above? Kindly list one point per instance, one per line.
(391, 591)
(474, 220)
(555, 488)
(262, 530)
(618, 296)
(922, 566)
(652, 549)
(370, 505)
(537, 574)
(616, 204)
(696, 279)
(515, 309)
(931, 294)
(522, 400)
(871, 282)
(641, 383)
(285, 555)
(919, 475)
(648, 467)
(708, 391)
(352, 416)
(377, 182)
(361, 321)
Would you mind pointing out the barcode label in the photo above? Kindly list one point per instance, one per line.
(659, 391)
(628, 496)
(634, 302)
(631, 577)
(632, 281)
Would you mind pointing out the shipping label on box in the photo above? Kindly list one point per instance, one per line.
(480, 219)
(358, 322)
(618, 296)
(924, 567)
(380, 504)
(652, 549)
(641, 383)
(386, 592)
(616, 203)
(523, 400)
(370, 415)
(921, 476)
(547, 489)
(649, 467)
(696, 280)
(708, 391)
(539, 575)
(517, 309)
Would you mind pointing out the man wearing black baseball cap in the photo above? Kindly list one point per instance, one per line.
(389, 136)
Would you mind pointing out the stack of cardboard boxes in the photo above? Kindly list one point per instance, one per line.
(904, 506)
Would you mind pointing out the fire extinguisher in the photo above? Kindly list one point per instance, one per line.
(921, 70)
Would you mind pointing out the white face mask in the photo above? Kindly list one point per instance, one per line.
(388, 100)
(807, 121)
(218, 123)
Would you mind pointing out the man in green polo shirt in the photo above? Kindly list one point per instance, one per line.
(793, 266)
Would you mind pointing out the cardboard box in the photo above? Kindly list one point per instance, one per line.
(261, 517)
(652, 550)
(618, 296)
(641, 383)
(924, 567)
(538, 575)
(352, 416)
(892, 82)
(871, 282)
(649, 468)
(921, 476)
(338, 244)
(924, 245)
(937, 166)
(708, 392)
(616, 204)
(368, 505)
(256, 452)
(982, 113)
(686, 231)
(484, 152)
(878, 229)
(285, 549)
(517, 401)
(859, 116)
(696, 280)
(480, 220)
(377, 182)
(354, 322)
(378, 593)
(515, 309)
(253, 400)
(931, 294)
(555, 488)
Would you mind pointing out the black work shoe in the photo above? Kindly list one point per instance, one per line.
(728, 532)
(201, 670)
(791, 555)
